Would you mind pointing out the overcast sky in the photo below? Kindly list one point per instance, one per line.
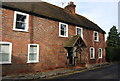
(102, 12)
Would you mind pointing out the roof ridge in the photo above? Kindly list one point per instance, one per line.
(53, 12)
(90, 21)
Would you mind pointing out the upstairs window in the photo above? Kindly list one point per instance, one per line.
(20, 21)
(79, 31)
(63, 30)
(5, 52)
(92, 53)
(96, 36)
(33, 53)
(100, 53)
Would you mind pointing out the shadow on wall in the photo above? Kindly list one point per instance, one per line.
(18, 66)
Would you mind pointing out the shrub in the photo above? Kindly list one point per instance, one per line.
(112, 54)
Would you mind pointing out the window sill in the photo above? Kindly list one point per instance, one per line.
(5, 63)
(92, 58)
(96, 40)
(99, 57)
(19, 30)
(62, 36)
(33, 62)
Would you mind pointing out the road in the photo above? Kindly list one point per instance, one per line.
(106, 72)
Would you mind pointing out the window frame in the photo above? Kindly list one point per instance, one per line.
(97, 36)
(101, 53)
(93, 53)
(60, 29)
(27, 21)
(35, 61)
(81, 31)
(10, 53)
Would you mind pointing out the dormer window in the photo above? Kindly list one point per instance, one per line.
(96, 36)
(63, 30)
(20, 21)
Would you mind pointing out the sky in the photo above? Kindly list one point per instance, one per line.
(102, 12)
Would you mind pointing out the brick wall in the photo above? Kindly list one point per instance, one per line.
(52, 53)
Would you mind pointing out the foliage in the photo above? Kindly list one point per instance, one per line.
(112, 54)
(113, 39)
(113, 45)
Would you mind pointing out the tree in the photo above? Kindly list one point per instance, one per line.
(113, 38)
(119, 41)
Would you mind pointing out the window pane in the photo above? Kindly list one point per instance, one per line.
(33, 49)
(100, 52)
(95, 38)
(91, 52)
(20, 21)
(21, 17)
(4, 57)
(33, 56)
(96, 34)
(78, 31)
(4, 48)
(63, 26)
(65, 33)
(63, 29)
(62, 32)
(20, 25)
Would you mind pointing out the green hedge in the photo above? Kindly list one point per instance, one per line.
(112, 54)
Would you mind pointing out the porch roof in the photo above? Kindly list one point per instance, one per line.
(73, 41)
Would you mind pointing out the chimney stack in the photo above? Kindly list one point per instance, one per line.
(71, 7)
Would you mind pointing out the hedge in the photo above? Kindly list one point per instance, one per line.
(112, 54)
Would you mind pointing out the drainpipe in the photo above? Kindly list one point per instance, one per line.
(32, 27)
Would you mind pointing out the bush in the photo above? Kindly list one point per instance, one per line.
(112, 54)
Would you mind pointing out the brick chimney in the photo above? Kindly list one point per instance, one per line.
(71, 7)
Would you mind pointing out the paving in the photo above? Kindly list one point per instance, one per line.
(43, 75)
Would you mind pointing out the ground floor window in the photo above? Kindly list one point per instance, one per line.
(100, 53)
(5, 52)
(92, 53)
(33, 53)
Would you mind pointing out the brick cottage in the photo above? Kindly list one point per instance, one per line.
(38, 36)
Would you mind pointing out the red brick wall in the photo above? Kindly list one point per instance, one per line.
(19, 40)
(46, 34)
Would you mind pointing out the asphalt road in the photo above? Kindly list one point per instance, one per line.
(106, 72)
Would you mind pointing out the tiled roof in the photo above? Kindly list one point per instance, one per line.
(72, 42)
(52, 12)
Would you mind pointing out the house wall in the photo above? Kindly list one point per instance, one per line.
(52, 53)
(89, 39)
(0, 24)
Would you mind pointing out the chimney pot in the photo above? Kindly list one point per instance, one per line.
(71, 3)
(71, 7)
